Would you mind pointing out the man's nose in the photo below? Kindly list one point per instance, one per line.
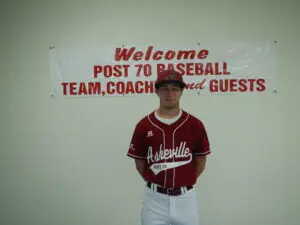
(169, 91)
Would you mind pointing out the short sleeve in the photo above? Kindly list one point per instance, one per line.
(203, 146)
(138, 148)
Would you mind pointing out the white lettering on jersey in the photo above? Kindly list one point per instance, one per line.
(150, 133)
(179, 152)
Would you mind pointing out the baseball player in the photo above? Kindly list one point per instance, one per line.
(169, 147)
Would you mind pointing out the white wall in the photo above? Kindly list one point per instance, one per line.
(63, 161)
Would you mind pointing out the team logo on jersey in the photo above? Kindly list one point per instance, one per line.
(150, 133)
(180, 152)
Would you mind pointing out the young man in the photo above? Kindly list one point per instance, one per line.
(169, 147)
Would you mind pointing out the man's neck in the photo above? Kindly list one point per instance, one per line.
(168, 113)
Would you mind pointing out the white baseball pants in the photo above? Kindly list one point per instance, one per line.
(161, 209)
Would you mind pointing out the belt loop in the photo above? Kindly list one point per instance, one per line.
(154, 187)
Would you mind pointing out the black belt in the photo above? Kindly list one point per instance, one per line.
(169, 191)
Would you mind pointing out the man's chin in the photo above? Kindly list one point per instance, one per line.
(170, 106)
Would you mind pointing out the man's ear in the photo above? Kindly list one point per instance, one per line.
(181, 91)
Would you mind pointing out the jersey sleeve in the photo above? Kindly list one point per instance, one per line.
(203, 146)
(138, 148)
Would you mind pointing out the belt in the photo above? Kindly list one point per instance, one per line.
(168, 191)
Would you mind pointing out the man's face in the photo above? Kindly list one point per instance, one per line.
(169, 95)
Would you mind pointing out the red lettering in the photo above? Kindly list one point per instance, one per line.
(157, 55)
(213, 86)
(261, 85)
(199, 68)
(109, 86)
(126, 70)
(251, 84)
(107, 71)
(138, 87)
(147, 70)
(117, 71)
(64, 84)
(233, 85)
(202, 54)
(190, 86)
(192, 69)
(201, 85)
(94, 88)
(170, 55)
(139, 66)
(82, 89)
(242, 85)
(148, 53)
(209, 69)
(122, 54)
(73, 88)
(120, 87)
(138, 55)
(223, 85)
(129, 88)
(189, 69)
(180, 67)
(149, 87)
(217, 72)
(97, 69)
(186, 54)
(126, 54)
(225, 72)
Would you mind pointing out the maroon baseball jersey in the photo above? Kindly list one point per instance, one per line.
(169, 149)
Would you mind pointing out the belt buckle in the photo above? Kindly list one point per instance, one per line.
(173, 192)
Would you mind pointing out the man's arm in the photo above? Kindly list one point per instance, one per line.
(140, 166)
(199, 163)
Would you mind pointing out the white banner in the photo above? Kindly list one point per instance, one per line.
(98, 71)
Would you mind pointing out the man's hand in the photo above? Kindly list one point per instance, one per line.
(199, 163)
(140, 166)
